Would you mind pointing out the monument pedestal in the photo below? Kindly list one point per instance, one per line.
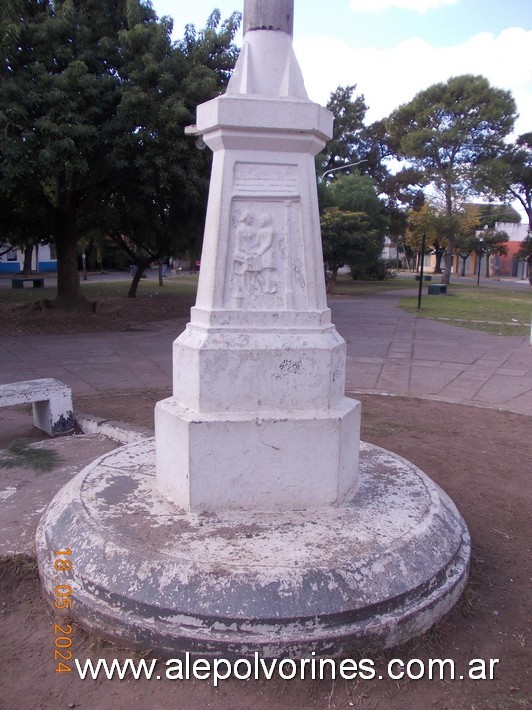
(367, 574)
(258, 417)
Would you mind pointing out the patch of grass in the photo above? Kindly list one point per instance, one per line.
(93, 290)
(20, 454)
(21, 296)
(346, 286)
(180, 285)
(500, 312)
(20, 563)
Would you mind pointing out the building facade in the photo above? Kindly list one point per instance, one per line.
(43, 260)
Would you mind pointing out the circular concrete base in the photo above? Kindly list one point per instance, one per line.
(369, 574)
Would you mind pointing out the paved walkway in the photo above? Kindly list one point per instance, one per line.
(393, 352)
(388, 351)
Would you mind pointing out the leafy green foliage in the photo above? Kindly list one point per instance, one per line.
(450, 131)
(357, 193)
(346, 144)
(348, 239)
(94, 98)
(511, 174)
(160, 206)
(353, 226)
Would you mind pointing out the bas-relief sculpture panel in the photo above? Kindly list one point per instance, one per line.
(265, 262)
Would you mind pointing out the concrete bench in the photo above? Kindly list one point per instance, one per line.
(425, 278)
(18, 282)
(52, 403)
(435, 289)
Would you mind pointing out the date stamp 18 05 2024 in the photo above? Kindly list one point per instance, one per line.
(63, 601)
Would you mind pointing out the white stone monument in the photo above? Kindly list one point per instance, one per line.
(258, 418)
(256, 521)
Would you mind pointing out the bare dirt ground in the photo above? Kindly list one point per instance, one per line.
(113, 313)
(481, 458)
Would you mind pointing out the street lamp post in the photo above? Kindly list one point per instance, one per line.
(481, 240)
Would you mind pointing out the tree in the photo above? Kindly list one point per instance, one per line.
(357, 193)
(347, 139)
(465, 246)
(421, 222)
(94, 99)
(59, 89)
(511, 174)
(157, 204)
(439, 227)
(450, 131)
(494, 244)
(525, 252)
(354, 194)
(347, 239)
(369, 148)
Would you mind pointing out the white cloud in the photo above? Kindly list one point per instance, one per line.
(380, 5)
(390, 77)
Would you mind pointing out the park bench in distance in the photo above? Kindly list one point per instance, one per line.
(18, 281)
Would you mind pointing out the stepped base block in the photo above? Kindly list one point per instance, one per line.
(211, 462)
(368, 574)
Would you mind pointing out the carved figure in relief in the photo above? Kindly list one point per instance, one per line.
(244, 243)
(254, 255)
(266, 236)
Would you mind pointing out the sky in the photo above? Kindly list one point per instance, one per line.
(392, 49)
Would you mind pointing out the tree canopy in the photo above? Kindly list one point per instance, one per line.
(94, 98)
(449, 132)
(352, 208)
(346, 145)
(348, 239)
(511, 174)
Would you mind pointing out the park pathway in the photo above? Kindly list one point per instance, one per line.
(388, 351)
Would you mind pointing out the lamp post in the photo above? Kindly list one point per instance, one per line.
(481, 240)
(84, 264)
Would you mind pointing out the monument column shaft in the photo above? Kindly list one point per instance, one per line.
(269, 15)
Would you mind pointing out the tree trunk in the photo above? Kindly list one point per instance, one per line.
(28, 254)
(69, 294)
(448, 261)
(137, 275)
(487, 266)
(451, 245)
(330, 280)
